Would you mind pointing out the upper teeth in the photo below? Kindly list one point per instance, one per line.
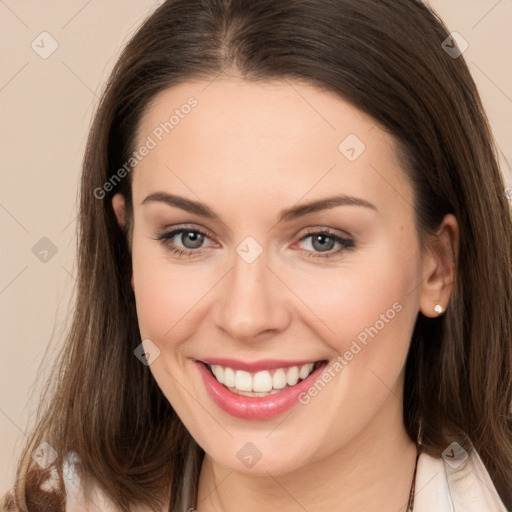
(261, 382)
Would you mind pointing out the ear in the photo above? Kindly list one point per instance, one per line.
(118, 206)
(439, 268)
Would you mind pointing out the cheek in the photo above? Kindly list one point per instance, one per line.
(168, 295)
(367, 297)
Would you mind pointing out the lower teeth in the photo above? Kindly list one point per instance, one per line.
(256, 393)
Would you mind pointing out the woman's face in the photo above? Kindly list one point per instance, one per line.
(274, 229)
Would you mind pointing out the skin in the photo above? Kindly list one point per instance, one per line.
(248, 151)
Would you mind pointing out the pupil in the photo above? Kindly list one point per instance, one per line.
(197, 239)
(326, 243)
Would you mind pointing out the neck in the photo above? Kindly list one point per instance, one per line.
(372, 472)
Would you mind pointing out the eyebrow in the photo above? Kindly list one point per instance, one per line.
(288, 214)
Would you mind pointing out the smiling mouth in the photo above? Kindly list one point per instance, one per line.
(262, 383)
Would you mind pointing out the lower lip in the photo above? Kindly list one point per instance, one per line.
(255, 408)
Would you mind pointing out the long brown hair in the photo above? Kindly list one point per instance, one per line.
(386, 58)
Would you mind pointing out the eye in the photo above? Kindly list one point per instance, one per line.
(189, 242)
(184, 241)
(322, 243)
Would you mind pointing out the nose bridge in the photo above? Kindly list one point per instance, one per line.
(251, 303)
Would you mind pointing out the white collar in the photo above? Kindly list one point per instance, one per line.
(460, 485)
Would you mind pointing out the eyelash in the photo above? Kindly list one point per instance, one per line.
(165, 240)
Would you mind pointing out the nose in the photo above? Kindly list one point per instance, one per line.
(253, 303)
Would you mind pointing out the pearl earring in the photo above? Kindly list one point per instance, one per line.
(438, 309)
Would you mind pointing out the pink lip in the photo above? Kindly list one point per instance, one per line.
(255, 408)
(254, 366)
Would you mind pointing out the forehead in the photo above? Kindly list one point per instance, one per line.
(283, 136)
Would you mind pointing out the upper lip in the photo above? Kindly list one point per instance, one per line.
(255, 366)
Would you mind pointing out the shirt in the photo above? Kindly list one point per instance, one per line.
(459, 483)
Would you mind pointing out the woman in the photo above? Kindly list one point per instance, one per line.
(294, 273)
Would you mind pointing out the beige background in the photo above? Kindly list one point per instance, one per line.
(46, 108)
